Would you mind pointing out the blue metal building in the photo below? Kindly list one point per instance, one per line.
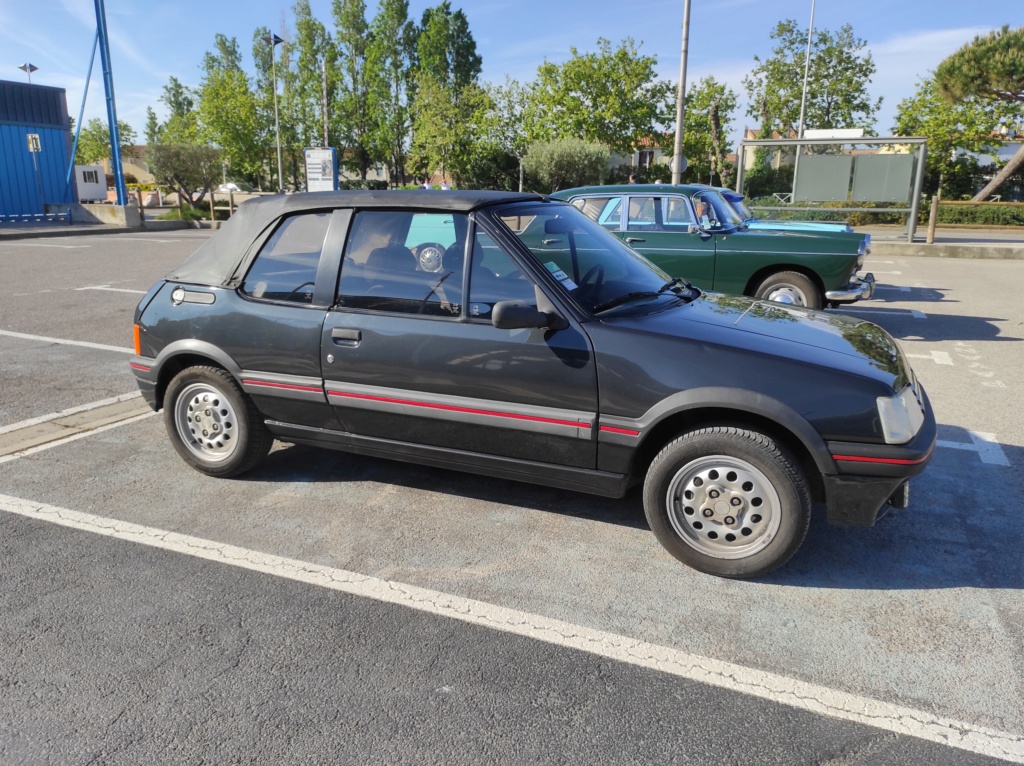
(35, 148)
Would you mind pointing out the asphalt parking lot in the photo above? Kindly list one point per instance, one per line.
(342, 608)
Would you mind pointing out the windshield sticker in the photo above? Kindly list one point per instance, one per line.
(560, 275)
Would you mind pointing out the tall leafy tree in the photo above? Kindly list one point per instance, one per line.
(837, 85)
(152, 130)
(391, 59)
(182, 125)
(317, 59)
(228, 112)
(952, 128)
(352, 118)
(94, 141)
(991, 69)
(449, 103)
(507, 118)
(611, 96)
(566, 162)
(709, 113)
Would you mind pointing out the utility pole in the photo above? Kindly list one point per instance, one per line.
(803, 101)
(678, 165)
(272, 40)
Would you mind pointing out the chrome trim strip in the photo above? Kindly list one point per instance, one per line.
(286, 386)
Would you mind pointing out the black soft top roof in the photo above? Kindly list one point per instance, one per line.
(215, 261)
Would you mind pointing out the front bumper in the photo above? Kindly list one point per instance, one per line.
(870, 477)
(859, 289)
(142, 368)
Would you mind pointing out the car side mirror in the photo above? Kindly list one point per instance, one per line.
(517, 315)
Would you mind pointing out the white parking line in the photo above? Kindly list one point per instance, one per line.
(939, 357)
(893, 287)
(51, 244)
(984, 444)
(111, 289)
(888, 312)
(70, 411)
(66, 342)
(769, 686)
(73, 438)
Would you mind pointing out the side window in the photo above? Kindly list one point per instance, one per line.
(644, 214)
(676, 213)
(285, 267)
(607, 211)
(387, 268)
(493, 277)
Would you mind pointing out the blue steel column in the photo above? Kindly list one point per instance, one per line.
(108, 86)
(78, 125)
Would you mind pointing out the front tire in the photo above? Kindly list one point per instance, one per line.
(213, 425)
(790, 287)
(727, 501)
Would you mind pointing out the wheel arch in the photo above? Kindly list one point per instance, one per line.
(764, 272)
(183, 354)
(733, 407)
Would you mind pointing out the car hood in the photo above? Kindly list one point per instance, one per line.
(814, 337)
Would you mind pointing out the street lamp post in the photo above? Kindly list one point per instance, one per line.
(28, 69)
(272, 40)
(677, 153)
(803, 101)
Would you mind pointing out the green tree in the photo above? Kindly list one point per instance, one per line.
(182, 125)
(837, 83)
(449, 106)
(709, 109)
(611, 97)
(94, 141)
(506, 126)
(965, 125)
(390, 58)
(991, 69)
(352, 118)
(317, 59)
(566, 162)
(187, 168)
(228, 114)
(152, 130)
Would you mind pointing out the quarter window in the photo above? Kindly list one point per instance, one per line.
(285, 268)
(607, 211)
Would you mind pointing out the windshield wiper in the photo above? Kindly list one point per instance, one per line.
(626, 298)
(674, 282)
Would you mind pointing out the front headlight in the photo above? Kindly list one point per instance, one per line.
(901, 416)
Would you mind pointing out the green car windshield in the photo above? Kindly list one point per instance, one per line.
(724, 213)
(596, 268)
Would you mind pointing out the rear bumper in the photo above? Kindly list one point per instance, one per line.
(859, 289)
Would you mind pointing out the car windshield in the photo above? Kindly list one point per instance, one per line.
(740, 206)
(597, 270)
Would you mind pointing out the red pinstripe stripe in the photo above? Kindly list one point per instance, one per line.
(888, 460)
(626, 431)
(142, 367)
(453, 408)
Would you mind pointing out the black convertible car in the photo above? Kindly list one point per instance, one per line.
(430, 327)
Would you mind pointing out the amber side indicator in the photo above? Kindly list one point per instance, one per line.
(138, 341)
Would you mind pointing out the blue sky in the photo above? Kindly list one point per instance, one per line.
(151, 42)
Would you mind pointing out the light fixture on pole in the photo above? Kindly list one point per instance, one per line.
(272, 40)
(28, 69)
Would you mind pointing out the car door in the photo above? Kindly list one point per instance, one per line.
(663, 228)
(410, 356)
(276, 318)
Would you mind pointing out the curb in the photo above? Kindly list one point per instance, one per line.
(973, 250)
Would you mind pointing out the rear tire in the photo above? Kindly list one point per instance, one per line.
(213, 425)
(790, 287)
(727, 501)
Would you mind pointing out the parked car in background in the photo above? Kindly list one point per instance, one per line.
(739, 204)
(692, 232)
(234, 187)
(562, 359)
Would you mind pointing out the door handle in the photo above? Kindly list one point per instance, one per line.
(550, 241)
(635, 239)
(343, 336)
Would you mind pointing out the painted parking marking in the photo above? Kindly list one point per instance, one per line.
(51, 245)
(902, 289)
(772, 687)
(888, 312)
(111, 289)
(985, 444)
(899, 273)
(66, 342)
(69, 411)
(939, 357)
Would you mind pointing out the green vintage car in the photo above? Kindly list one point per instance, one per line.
(692, 232)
